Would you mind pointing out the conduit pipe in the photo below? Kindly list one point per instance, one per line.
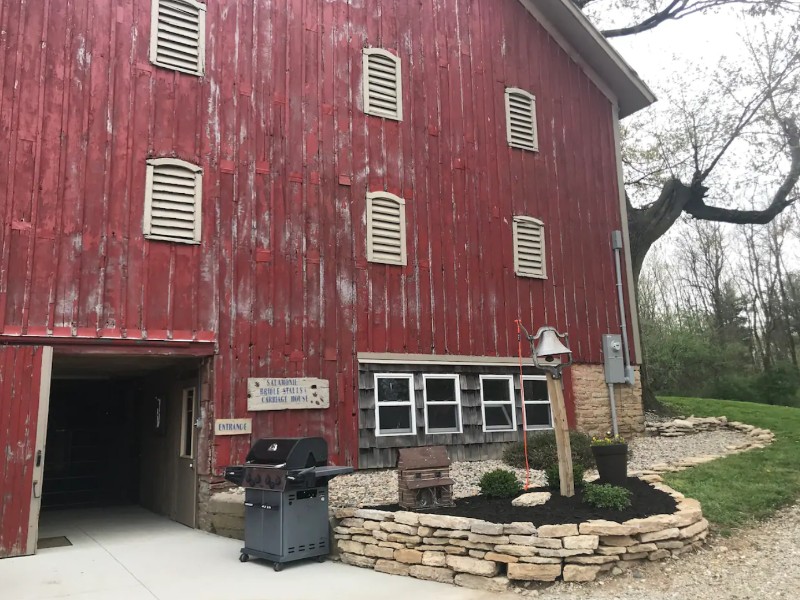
(614, 426)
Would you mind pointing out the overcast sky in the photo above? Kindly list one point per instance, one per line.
(687, 45)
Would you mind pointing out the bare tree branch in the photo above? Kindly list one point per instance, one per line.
(678, 9)
(783, 197)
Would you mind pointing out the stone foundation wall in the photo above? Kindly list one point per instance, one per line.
(492, 556)
(592, 406)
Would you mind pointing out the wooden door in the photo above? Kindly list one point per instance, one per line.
(24, 401)
(186, 480)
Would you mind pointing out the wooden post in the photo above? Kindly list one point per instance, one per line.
(561, 428)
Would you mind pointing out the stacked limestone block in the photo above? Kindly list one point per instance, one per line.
(592, 408)
(224, 514)
(690, 425)
(493, 556)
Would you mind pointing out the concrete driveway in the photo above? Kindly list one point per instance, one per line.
(129, 553)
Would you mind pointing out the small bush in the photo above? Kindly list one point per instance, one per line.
(554, 478)
(542, 451)
(605, 495)
(779, 385)
(499, 483)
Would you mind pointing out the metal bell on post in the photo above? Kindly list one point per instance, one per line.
(549, 348)
(551, 354)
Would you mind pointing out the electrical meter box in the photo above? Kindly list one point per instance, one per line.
(613, 362)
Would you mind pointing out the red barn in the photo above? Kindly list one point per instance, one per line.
(254, 218)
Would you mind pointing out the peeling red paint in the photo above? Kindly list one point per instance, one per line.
(20, 378)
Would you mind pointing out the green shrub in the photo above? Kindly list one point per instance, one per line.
(779, 385)
(499, 483)
(605, 495)
(542, 451)
(735, 386)
(554, 478)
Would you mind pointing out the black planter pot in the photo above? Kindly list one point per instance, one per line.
(612, 463)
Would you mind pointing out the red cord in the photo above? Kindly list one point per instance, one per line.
(522, 397)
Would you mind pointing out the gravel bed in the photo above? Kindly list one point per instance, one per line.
(648, 451)
(374, 487)
(759, 563)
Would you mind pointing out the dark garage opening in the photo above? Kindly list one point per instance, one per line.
(93, 444)
(122, 430)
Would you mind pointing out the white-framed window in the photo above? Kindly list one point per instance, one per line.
(386, 228)
(188, 411)
(529, 248)
(521, 128)
(442, 398)
(382, 84)
(497, 403)
(173, 201)
(538, 412)
(395, 412)
(178, 35)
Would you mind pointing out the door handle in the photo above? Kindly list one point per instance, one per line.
(38, 458)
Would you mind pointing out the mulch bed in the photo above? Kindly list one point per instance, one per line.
(646, 501)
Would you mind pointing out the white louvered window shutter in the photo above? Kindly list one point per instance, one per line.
(529, 249)
(173, 201)
(386, 229)
(177, 35)
(383, 93)
(521, 120)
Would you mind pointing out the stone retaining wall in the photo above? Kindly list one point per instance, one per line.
(492, 556)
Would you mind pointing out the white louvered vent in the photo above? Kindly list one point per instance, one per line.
(177, 37)
(529, 255)
(386, 229)
(173, 201)
(383, 94)
(521, 120)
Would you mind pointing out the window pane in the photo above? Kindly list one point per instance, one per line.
(495, 390)
(443, 417)
(395, 418)
(537, 415)
(498, 417)
(393, 390)
(440, 390)
(535, 389)
(188, 423)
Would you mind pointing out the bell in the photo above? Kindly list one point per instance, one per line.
(550, 344)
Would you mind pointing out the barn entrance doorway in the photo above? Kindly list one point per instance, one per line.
(122, 430)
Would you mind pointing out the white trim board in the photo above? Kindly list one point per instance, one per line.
(389, 358)
(632, 307)
(570, 28)
(41, 437)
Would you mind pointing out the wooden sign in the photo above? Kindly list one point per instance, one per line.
(233, 426)
(287, 393)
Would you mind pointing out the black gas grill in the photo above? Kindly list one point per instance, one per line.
(286, 499)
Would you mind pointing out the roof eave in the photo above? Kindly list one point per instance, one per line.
(632, 93)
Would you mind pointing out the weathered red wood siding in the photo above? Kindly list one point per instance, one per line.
(281, 279)
(20, 378)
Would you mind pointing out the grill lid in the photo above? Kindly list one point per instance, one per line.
(289, 453)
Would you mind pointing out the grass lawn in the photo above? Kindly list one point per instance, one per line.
(746, 487)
